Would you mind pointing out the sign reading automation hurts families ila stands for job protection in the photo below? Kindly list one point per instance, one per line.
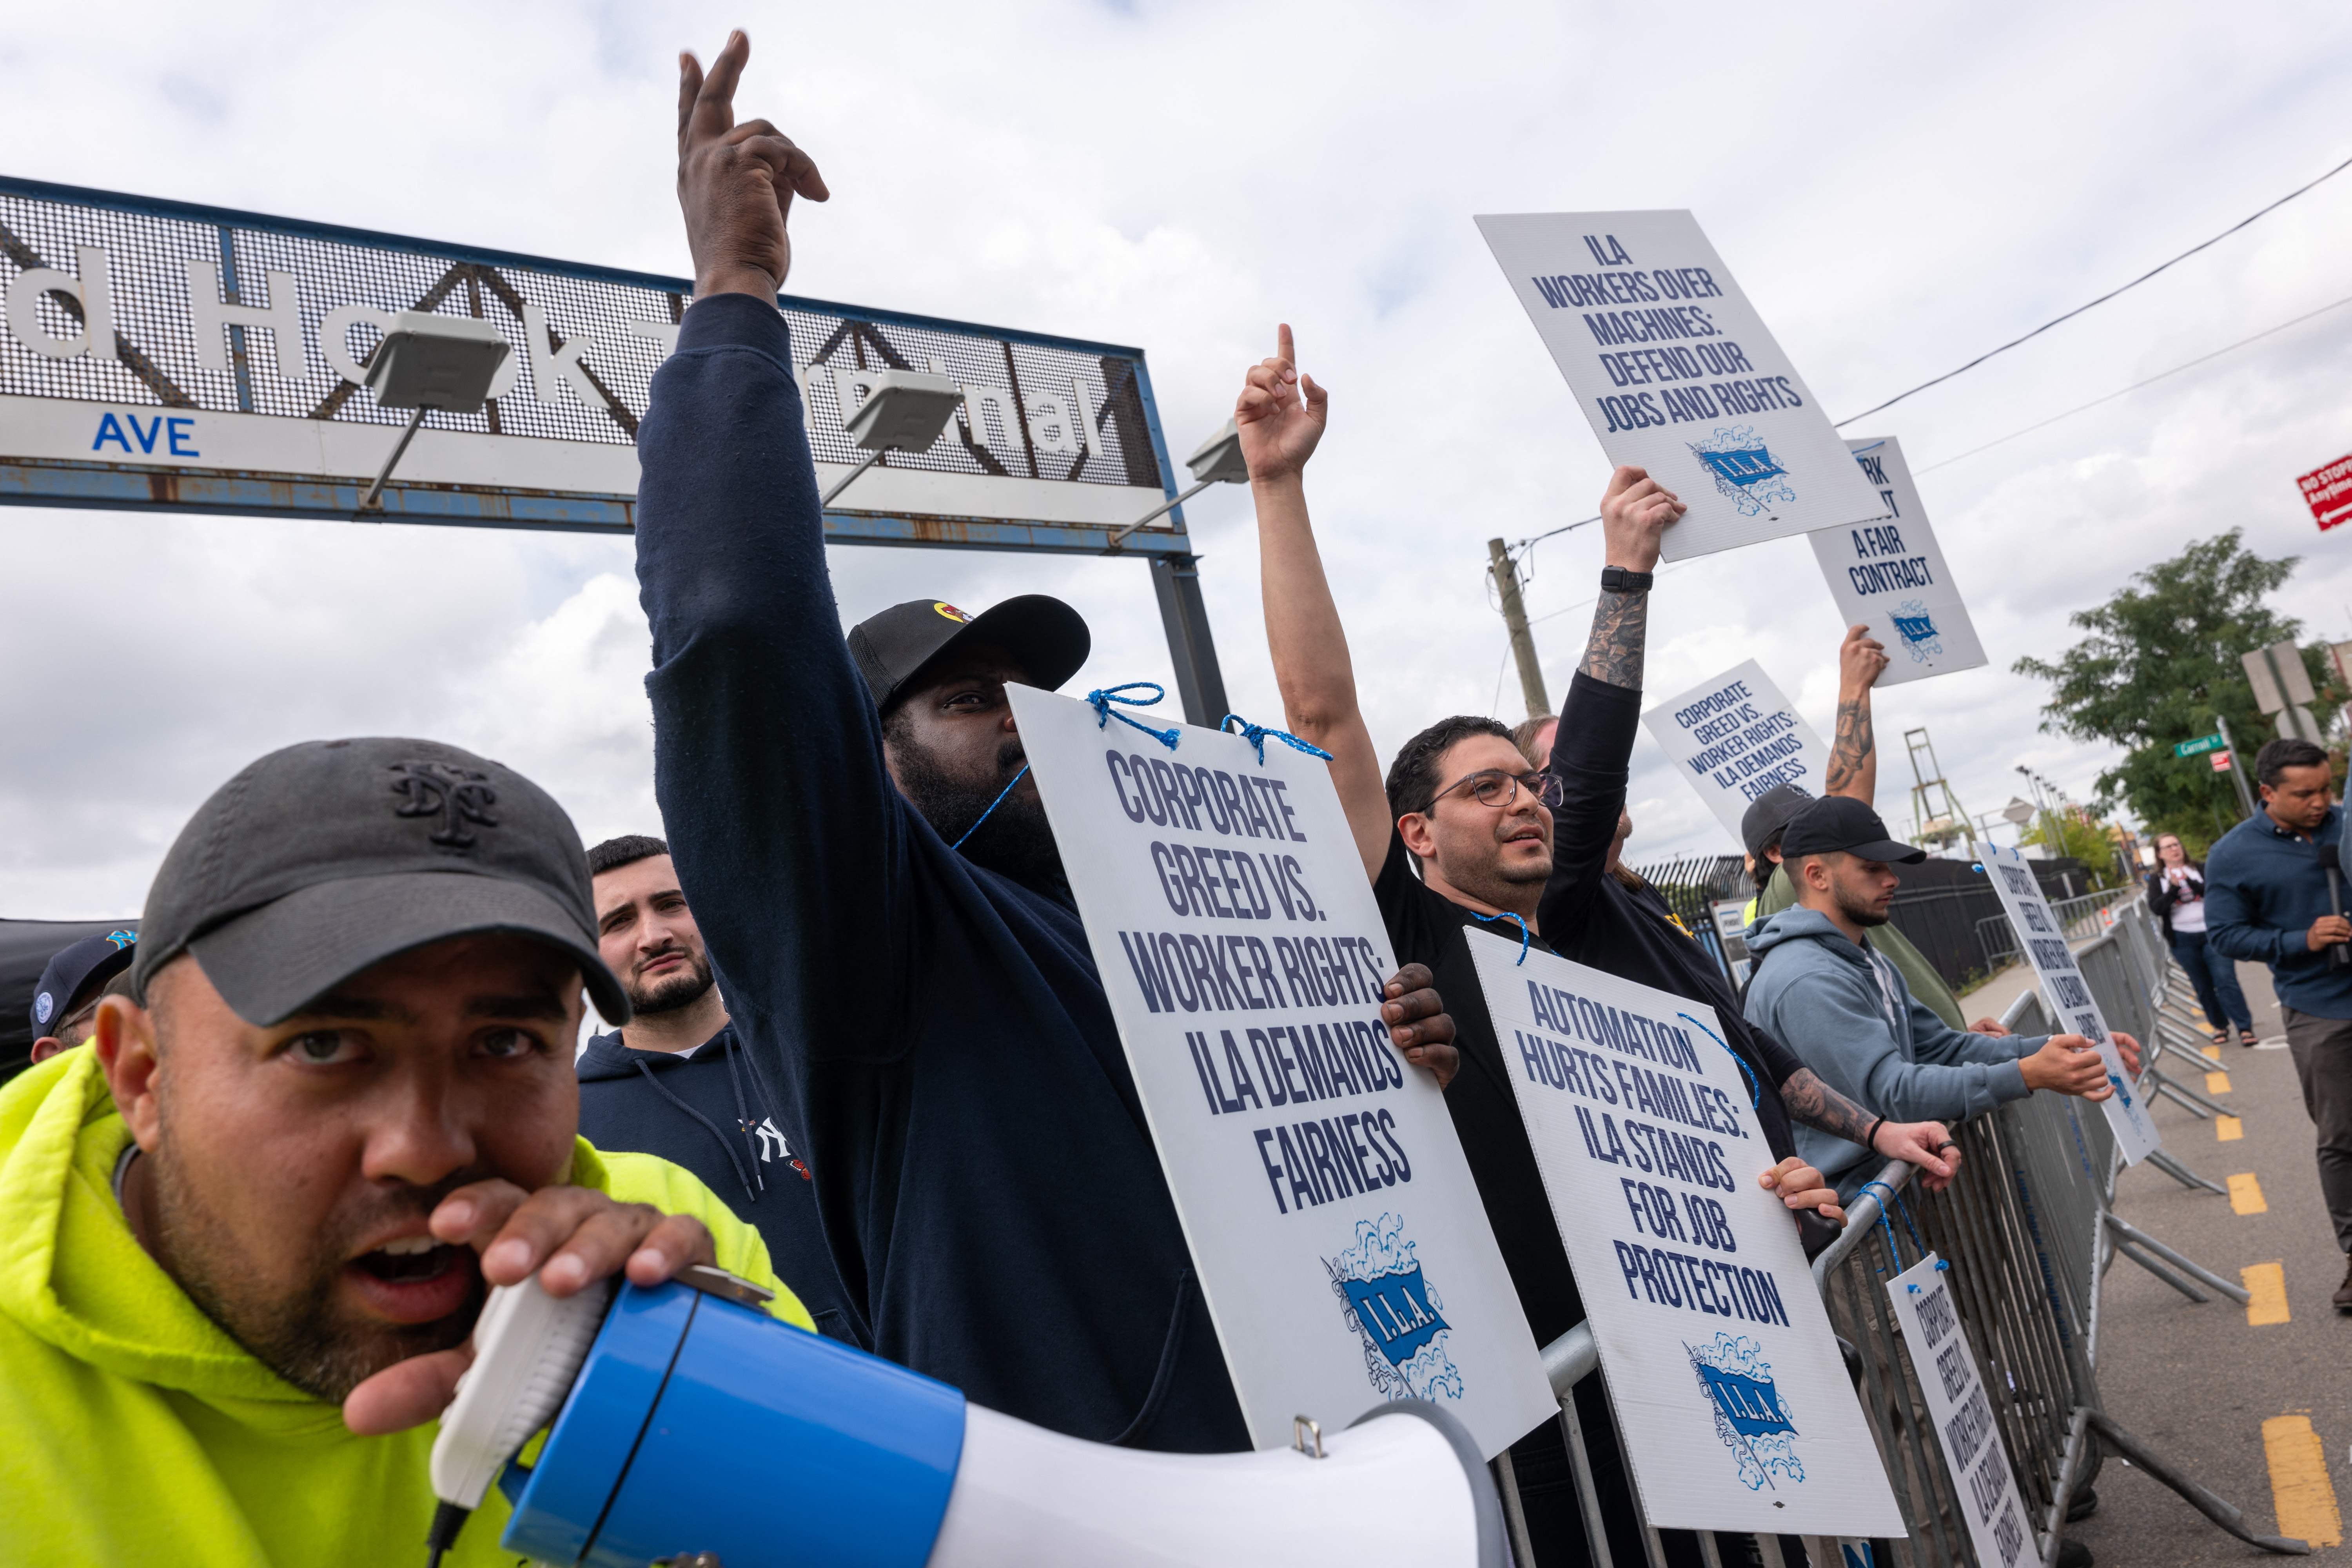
(1340, 1240)
(1890, 575)
(1733, 1398)
(1679, 376)
(1736, 737)
(2068, 995)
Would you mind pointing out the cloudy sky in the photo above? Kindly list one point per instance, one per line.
(1897, 193)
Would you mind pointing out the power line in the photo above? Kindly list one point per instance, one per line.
(2134, 386)
(2103, 298)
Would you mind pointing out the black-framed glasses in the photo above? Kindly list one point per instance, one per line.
(1494, 787)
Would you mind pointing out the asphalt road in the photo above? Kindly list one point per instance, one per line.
(2198, 1383)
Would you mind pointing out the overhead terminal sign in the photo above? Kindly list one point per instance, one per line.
(1679, 376)
(156, 353)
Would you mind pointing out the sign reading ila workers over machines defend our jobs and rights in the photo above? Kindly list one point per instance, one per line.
(2069, 995)
(1730, 1388)
(1890, 576)
(1961, 1413)
(1678, 375)
(1340, 1237)
(1735, 737)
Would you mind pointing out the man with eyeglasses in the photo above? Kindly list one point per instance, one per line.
(1462, 805)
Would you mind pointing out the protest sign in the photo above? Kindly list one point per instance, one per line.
(2067, 995)
(1730, 1392)
(1735, 737)
(1678, 375)
(1890, 576)
(1339, 1235)
(1959, 1411)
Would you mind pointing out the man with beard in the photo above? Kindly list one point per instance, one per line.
(677, 1082)
(336, 1107)
(1821, 984)
(923, 992)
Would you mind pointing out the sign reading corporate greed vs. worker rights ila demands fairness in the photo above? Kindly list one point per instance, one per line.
(1735, 737)
(1679, 376)
(1340, 1240)
(1961, 1411)
(1729, 1387)
(2068, 995)
(1890, 576)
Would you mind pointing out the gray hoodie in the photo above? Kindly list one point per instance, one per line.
(1845, 1010)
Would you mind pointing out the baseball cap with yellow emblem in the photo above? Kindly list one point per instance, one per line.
(1045, 637)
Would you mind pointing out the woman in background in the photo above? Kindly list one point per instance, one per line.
(2176, 895)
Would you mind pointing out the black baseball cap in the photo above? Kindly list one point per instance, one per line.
(1768, 815)
(322, 860)
(77, 969)
(1835, 823)
(1047, 638)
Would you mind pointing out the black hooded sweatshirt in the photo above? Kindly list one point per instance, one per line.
(709, 1111)
(988, 1183)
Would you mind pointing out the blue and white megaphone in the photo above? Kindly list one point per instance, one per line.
(688, 1421)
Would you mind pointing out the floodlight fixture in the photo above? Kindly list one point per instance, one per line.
(1215, 461)
(428, 362)
(904, 412)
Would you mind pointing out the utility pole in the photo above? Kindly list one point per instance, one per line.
(1505, 572)
(2237, 769)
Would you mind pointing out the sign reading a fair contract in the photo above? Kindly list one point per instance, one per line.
(1890, 576)
(1340, 1237)
(1734, 1400)
(1735, 737)
(2069, 995)
(1678, 375)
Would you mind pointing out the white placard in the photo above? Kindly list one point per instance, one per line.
(1735, 737)
(1678, 375)
(1890, 575)
(1340, 1237)
(1961, 1413)
(2068, 995)
(1735, 1406)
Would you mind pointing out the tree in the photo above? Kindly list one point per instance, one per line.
(2161, 662)
(2079, 836)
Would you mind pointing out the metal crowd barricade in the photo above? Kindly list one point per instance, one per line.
(2028, 1228)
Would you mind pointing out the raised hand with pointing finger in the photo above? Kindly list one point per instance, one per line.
(1280, 414)
(736, 182)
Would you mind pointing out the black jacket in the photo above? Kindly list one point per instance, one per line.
(2162, 897)
(713, 1113)
(988, 1185)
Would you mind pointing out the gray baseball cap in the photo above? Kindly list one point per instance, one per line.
(324, 859)
(1764, 821)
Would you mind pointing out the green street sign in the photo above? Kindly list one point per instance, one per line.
(2197, 747)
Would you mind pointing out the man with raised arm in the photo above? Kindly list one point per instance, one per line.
(984, 1175)
(1853, 772)
(1461, 804)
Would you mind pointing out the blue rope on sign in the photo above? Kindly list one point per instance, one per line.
(1883, 1205)
(1508, 915)
(1102, 697)
(991, 807)
(1258, 734)
(1755, 1095)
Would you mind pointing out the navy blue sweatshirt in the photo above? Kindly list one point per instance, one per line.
(988, 1186)
(711, 1112)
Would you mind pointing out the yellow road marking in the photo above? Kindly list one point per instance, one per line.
(2300, 1489)
(2228, 1129)
(2213, 1053)
(2267, 1283)
(2246, 1195)
(2217, 1083)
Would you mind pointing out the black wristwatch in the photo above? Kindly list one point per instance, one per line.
(1617, 580)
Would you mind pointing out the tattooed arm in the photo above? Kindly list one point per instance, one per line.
(1633, 514)
(1816, 1104)
(1854, 754)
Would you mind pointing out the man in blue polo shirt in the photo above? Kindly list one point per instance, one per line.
(2273, 895)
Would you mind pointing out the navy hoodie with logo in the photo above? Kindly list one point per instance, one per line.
(988, 1184)
(709, 1111)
